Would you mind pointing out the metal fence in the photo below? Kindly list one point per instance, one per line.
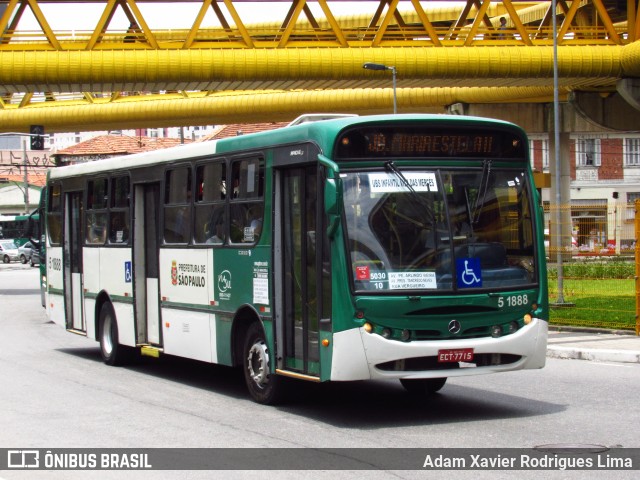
(591, 250)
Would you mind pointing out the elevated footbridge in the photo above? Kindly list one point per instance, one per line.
(138, 63)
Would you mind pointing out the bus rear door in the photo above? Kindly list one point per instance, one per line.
(146, 219)
(73, 240)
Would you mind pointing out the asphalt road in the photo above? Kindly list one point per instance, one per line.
(56, 393)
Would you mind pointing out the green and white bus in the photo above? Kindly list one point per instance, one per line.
(404, 247)
(15, 227)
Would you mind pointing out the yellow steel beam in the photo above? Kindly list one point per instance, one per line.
(146, 31)
(482, 12)
(252, 107)
(236, 18)
(428, 27)
(290, 22)
(395, 28)
(568, 19)
(606, 21)
(513, 16)
(382, 28)
(102, 25)
(223, 70)
(333, 23)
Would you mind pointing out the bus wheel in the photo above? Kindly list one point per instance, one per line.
(423, 385)
(112, 352)
(263, 386)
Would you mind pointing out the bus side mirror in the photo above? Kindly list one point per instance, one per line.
(333, 204)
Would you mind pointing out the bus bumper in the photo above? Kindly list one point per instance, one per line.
(358, 355)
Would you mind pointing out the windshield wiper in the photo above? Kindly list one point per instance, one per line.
(482, 192)
(428, 208)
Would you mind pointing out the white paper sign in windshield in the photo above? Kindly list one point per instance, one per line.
(390, 182)
(412, 280)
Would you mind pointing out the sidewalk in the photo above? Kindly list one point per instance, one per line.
(595, 345)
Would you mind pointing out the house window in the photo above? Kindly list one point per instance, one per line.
(631, 207)
(588, 152)
(545, 153)
(632, 151)
(539, 148)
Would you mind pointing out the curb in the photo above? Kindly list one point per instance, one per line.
(598, 355)
(562, 329)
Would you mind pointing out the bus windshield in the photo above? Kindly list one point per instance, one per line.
(439, 229)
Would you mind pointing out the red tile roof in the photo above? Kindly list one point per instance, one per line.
(225, 131)
(113, 145)
(37, 179)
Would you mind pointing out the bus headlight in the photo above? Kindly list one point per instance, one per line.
(496, 331)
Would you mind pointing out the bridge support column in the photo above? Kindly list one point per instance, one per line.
(629, 89)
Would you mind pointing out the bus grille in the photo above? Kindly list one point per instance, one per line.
(421, 364)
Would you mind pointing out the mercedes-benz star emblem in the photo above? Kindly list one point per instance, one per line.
(454, 326)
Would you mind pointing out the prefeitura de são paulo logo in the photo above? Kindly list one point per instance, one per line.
(174, 272)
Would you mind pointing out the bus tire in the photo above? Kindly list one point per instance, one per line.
(111, 351)
(264, 387)
(423, 385)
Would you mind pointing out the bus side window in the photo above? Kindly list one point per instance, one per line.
(54, 215)
(177, 205)
(119, 211)
(246, 204)
(96, 218)
(210, 219)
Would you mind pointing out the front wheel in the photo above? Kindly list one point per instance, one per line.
(264, 387)
(6, 259)
(112, 352)
(423, 385)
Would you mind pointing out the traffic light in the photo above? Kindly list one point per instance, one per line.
(37, 137)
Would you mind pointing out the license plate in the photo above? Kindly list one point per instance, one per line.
(455, 355)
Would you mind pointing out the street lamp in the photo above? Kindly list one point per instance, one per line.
(379, 66)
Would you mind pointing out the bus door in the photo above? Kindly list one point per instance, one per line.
(302, 285)
(146, 219)
(73, 240)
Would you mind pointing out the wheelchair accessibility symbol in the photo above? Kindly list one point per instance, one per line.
(469, 272)
(127, 272)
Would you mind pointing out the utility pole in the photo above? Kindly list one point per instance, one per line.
(26, 177)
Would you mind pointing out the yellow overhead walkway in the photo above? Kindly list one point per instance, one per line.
(224, 68)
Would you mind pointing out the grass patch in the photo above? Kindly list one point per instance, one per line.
(601, 303)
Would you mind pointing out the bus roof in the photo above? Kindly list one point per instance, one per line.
(322, 132)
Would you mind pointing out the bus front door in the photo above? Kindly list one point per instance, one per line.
(73, 238)
(302, 295)
(146, 264)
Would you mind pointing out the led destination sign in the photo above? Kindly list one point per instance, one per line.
(420, 142)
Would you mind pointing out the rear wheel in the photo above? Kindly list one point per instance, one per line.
(264, 387)
(423, 385)
(23, 259)
(6, 259)
(112, 352)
